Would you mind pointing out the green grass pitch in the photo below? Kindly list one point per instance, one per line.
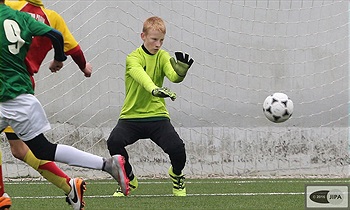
(156, 194)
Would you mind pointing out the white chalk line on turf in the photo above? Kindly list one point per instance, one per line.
(167, 195)
(93, 182)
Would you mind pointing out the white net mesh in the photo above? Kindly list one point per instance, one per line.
(244, 51)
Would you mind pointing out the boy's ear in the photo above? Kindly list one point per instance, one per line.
(143, 36)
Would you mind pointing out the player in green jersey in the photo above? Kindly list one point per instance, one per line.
(21, 110)
(144, 113)
(39, 48)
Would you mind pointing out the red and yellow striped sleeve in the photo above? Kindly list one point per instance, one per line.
(57, 22)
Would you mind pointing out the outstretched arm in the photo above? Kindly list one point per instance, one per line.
(59, 56)
(141, 77)
(57, 42)
(71, 46)
(79, 58)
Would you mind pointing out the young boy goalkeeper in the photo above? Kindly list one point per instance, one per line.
(144, 114)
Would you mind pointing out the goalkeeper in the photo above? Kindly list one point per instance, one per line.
(144, 114)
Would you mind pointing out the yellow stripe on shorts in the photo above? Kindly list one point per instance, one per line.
(8, 130)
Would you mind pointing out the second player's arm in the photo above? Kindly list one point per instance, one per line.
(59, 56)
(71, 46)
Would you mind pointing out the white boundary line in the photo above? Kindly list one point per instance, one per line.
(189, 182)
(95, 182)
(166, 195)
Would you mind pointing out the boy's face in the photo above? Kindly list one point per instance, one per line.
(153, 40)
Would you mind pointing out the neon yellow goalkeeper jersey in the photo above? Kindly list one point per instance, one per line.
(145, 72)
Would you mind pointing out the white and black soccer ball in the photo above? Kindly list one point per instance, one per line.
(278, 107)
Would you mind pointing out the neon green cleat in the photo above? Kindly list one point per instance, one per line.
(179, 188)
(133, 184)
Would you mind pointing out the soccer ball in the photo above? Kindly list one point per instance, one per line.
(278, 107)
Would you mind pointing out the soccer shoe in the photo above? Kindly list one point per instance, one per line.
(75, 196)
(133, 184)
(5, 202)
(115, 167)
(179, 188)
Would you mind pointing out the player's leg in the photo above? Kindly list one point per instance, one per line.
(124, 133)
(30, 127)
(2, 186)
(44, 149)
(74, 188)
(171, 143)
(5, 200)
(49, 170)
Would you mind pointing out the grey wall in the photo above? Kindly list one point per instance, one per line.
(244, 51)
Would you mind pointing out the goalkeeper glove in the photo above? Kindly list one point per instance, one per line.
(182, 64)
(164, 92)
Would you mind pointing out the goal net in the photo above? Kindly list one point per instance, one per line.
(243, 51)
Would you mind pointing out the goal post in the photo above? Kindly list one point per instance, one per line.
(244, 51)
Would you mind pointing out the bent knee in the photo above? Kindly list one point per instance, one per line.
(18, 149)
(42, 148)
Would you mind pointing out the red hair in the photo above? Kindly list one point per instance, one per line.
(154, 23)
